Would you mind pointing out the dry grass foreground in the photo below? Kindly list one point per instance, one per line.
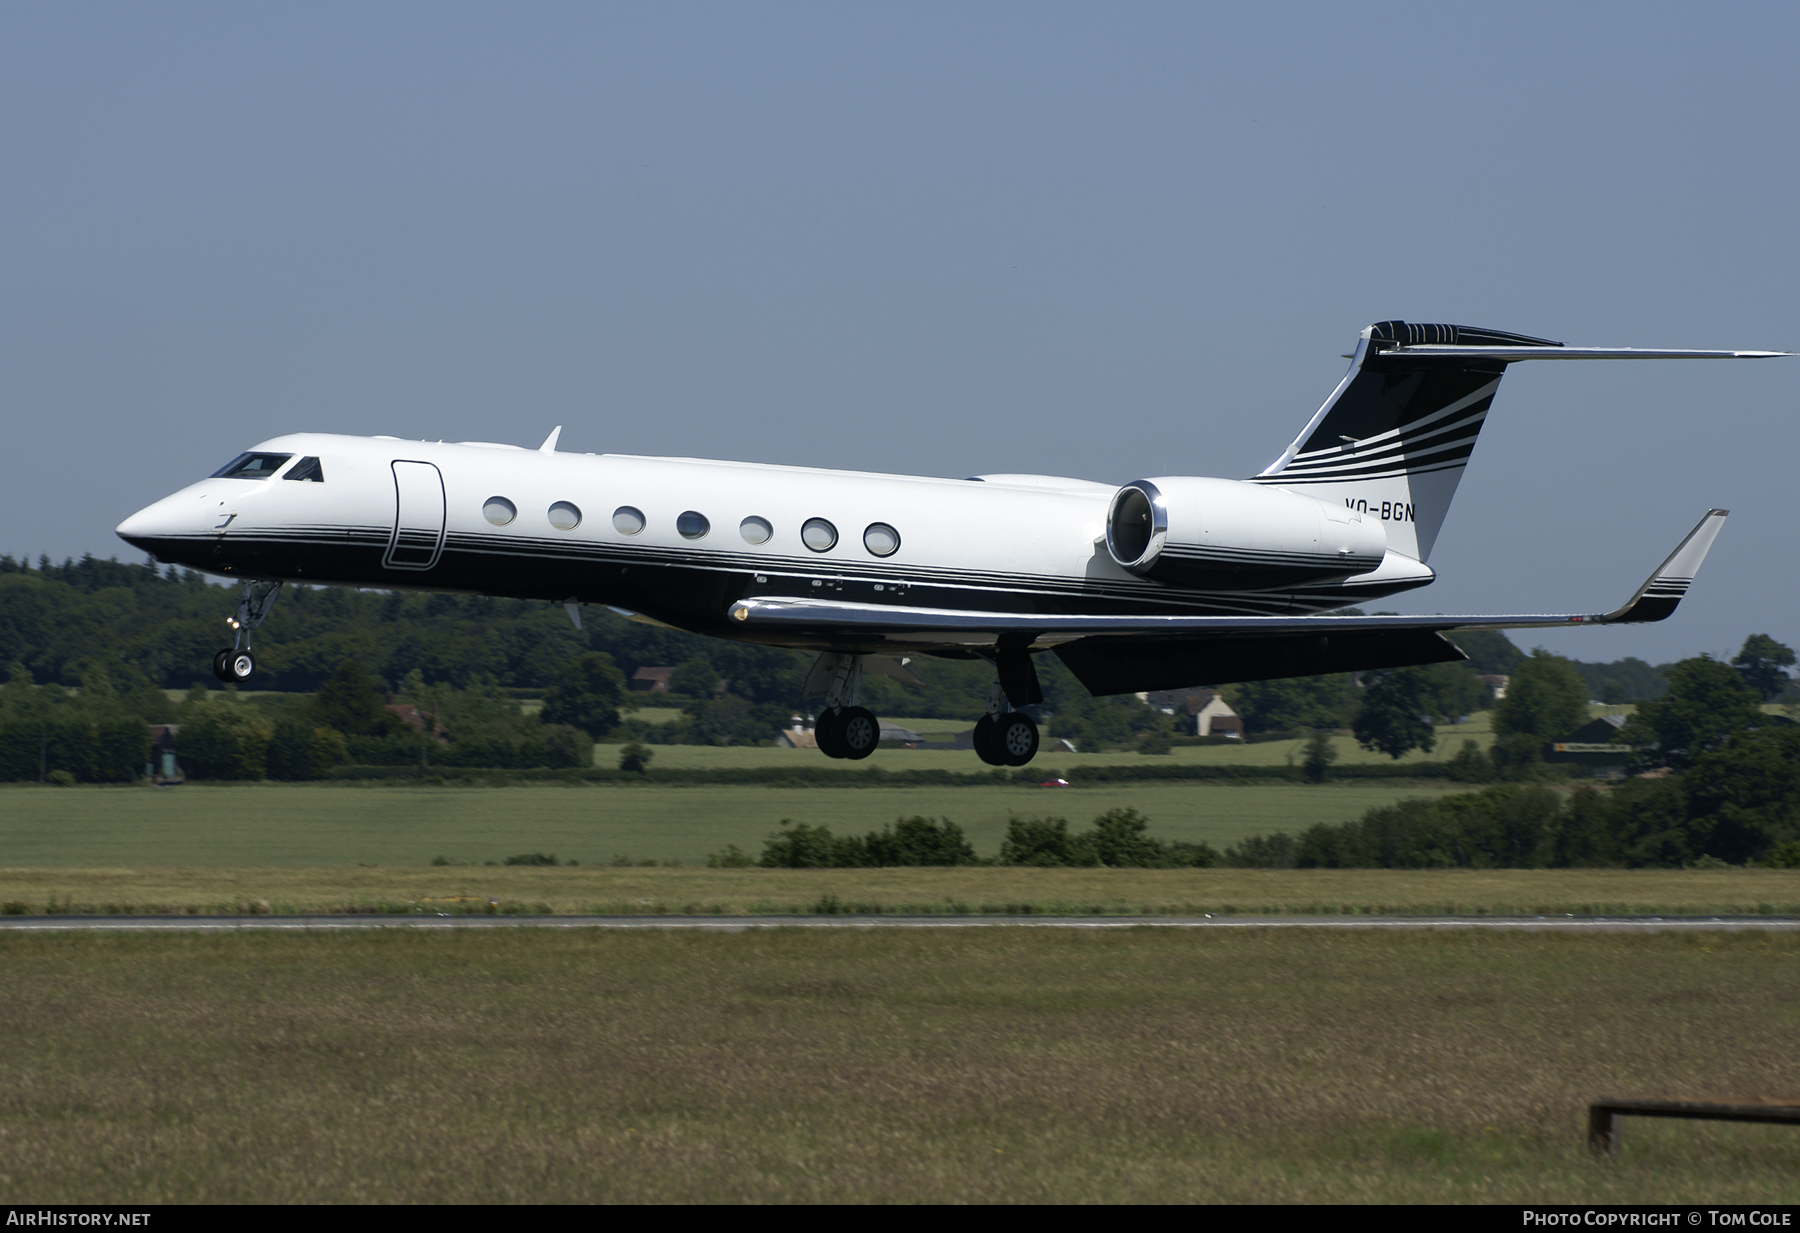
(609, 891)
(800, 1066)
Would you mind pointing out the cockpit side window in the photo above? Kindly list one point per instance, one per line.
(307, 469)
(251, 466)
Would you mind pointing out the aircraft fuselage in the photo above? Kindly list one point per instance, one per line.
(682, 539)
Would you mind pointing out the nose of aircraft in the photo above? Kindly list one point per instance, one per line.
(162, 520)
(139, 527)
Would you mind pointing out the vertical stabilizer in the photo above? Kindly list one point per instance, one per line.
(1394, 437)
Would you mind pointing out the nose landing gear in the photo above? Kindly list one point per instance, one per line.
(236, 664)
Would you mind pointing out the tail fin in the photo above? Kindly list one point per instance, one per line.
(1394, 437)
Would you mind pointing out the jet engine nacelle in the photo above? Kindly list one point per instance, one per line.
(1221, 534)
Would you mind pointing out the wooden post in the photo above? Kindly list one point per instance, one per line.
(1603, 1137)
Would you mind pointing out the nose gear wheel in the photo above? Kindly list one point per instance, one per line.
(234, 667)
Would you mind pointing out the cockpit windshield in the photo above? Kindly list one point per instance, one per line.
(308, 470)
(251, 466)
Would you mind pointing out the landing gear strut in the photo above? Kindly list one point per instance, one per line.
(843, 729)
(1005, 736)
(236, 663)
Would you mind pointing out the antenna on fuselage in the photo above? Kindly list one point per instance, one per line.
(549, 445)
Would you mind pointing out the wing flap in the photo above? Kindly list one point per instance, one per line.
(1133, 665)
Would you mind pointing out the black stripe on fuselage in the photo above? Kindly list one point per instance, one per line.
(694, 588)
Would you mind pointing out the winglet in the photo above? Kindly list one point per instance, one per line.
(549, 445)
(1658, 596)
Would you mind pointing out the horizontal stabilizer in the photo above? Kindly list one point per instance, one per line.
(1514, 354)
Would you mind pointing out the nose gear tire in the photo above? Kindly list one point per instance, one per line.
(239, 666)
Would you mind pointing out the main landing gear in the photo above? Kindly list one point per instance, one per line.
(843, 729)
(236, 663)
(1005, 736)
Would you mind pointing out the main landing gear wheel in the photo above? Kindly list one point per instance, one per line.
(825, 732)
(1015, 738)
(985, 748)
(858, 732)
(234, 667)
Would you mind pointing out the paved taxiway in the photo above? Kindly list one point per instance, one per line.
(739, 924)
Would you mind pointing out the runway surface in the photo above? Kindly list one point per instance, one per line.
(739, 924)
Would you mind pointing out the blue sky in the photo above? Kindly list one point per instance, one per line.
(1103, 240)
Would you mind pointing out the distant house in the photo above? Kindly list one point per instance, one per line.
(1497, 682)
(651, 680)
(1209, 713)
(419, 721)
(1590, 748)
(1228, 726)
(656, 681)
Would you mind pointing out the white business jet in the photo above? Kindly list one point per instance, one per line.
(1156, 584)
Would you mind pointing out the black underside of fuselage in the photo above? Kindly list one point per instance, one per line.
(682, 589)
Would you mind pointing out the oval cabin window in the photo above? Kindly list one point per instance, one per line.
(564, 516)
(499, 511)
(818, 535)
(628, 520)
(755, 530)
(881, 539)
(692, 525)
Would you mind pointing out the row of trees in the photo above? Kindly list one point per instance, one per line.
(1118, 839)
(1719, 780)
(1547, 698)
(1714, 817)
(150, 630)
(97, 734)
(305, 736)
(69, 737)
(124, 632)
(156, 629)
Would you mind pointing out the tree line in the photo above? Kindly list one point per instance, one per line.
(105, 640)
(1717, 781)
(1117, 839)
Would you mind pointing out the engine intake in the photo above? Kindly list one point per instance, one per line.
(1225, 535)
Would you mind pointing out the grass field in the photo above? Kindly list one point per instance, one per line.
(1009, 1066)
(350, 824)
(213, 889)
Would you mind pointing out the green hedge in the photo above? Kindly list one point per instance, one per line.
(112, 749)
(829, 776)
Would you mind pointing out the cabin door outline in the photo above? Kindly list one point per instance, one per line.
(418, 538)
